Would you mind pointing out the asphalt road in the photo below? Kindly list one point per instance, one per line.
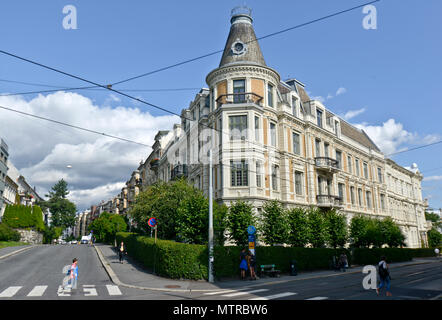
(36, 274)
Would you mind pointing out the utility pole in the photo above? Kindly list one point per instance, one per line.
(211, 258)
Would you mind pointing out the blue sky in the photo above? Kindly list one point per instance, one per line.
(391, 73)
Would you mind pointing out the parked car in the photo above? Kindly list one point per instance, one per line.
(74, 242)
(62, 242)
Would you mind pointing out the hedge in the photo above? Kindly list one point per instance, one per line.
(188, 261)
(8, 234)
(21, 216)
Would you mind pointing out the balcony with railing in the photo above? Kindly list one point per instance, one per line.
(179, 171)
(243, 97)
(329, 201)
(327, 164)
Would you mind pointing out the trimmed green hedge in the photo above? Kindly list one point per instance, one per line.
(187, 261)
(21, 216)
(8, 234)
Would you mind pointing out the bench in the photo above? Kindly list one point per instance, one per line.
(269, 269)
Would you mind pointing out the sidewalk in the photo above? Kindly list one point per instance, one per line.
(133, 275)
(9, 251)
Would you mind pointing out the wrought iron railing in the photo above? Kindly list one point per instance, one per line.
(233, 98)
(325, 162)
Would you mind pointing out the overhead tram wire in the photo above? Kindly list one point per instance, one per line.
(215, 52)
(73, 126)
(155, 106)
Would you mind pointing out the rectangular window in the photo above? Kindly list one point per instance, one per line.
(240, 173)
(365, 170)
(339, 159)
(238, 127)
(326, 150)
(368, 198)
(270, 95)
(319, 118)
(349, 164)
(275, 173)
(360, 197)
(382, 201)
(298, 182)
(273, 134)
(318, 147)
(294, 100)
(296, 144)
(239, 87)
(258, 174)
(357, 167)
(341, 191)
(380, 175)
(352, 195)
(256, 128)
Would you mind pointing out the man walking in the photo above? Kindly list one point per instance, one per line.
(384, 275)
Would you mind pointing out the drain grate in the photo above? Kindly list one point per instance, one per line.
(172, 286)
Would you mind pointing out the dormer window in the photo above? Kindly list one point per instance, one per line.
(294, 101)
(319, 118)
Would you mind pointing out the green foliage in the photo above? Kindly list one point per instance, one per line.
(298, 227)
(106, 227)
(182, 212)
(434, 238)
(167, 258)
(434, 218)
(240, 216)
(21, 216)
(8, 234)
(274, 225)
(317, 228)
(336, 226)
(63, 211)
(365, 232)
(50, 233)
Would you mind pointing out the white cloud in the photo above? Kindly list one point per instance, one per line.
(41, 150)
(353, 113)
(391, 137)
(433, 178)
(340, 91)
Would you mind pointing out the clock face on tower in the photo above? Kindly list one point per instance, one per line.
(239, 48)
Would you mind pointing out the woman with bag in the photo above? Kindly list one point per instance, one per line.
(73, 273)
(121, 251)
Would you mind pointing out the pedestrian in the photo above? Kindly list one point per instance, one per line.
(73, 275)
(243, 263)
(384, 275)
(343, 262)
(121, 251)
(252, 265)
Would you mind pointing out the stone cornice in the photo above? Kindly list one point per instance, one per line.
(245, 68)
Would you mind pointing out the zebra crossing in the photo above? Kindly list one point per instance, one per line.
(42, 290)
(251, 294)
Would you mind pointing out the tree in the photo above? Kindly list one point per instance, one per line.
(393, 234)
(106, 226)
(62, 210)
(298, 231)
(434, 218)
(240, 217)
(358, 231)
(317, 228)
(434, 238)
(336, 226)
(274, 224)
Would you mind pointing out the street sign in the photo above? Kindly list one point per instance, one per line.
(152, 222)
(251, 230)
(251, 245)
(251, 238)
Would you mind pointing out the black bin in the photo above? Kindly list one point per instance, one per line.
(293, 268)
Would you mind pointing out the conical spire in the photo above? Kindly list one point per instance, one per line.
(242, 46)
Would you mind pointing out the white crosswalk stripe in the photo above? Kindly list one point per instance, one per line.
(113, 290)
(236, 294)
(38, 291)
(276, 296)
(318, 298)
(9, 292)
(41, 290)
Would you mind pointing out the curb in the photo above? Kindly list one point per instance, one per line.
(116, 280)
(17, 251)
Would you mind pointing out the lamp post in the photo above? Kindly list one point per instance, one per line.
(211, 258)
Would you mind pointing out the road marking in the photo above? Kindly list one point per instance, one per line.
(38, 291)
(9, 292)
(113, 290)
(221, 292)
(318, 298)
(413, 274)
(89, 290)
(275, 296)
(64, 292)
(244, 293)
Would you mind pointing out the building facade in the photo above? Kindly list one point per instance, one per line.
(3, 174)
(270, 140)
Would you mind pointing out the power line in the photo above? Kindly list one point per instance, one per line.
(73, 126)
(412, 149)
(260, 38)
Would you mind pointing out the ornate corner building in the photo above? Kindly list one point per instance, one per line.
(270, 140)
